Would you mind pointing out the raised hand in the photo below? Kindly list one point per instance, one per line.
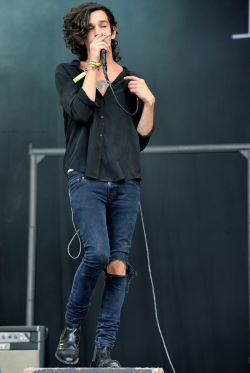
(97, 45)
(139, 87)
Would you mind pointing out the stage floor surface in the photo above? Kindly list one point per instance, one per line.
(93, 370)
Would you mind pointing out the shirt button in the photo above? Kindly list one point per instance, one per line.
(102, 117)
(100, 134)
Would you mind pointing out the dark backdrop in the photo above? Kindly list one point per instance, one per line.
(195, 205)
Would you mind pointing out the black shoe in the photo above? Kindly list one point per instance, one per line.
(68, 348)
(102, 359)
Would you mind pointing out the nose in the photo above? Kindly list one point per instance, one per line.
(97, 30)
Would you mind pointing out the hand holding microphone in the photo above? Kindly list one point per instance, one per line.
(103, 59)
(99, 44)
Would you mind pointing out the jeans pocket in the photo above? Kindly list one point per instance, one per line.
(135, 183)
(75, 180)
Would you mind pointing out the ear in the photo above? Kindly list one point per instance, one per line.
(113, 34)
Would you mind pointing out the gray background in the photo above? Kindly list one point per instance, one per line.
(195, 206)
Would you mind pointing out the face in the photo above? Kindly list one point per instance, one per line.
(98, 24)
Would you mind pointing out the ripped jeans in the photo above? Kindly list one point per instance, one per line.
(105, 214)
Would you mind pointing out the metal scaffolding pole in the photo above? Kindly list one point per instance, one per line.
(30, 302)
(36, 156)
(31, 243)
(248, 208)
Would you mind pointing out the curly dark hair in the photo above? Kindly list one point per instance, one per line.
(75, 29)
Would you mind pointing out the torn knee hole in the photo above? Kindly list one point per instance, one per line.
(130, 273)
(116, 267)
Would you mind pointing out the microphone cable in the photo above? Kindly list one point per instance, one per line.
(150, 276)
(153, 291)
(104, 67)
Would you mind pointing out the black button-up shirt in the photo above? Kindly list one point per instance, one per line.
(101, 139)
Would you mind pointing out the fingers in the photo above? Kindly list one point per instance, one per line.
(99, 41)
(136, 83)
(133, 87)
(133, 78)
(102, 36)
(98, 45)
(103, 46)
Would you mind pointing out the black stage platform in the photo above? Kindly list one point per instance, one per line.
(93, 370)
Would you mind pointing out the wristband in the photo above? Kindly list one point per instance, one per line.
(80, 76)
(95, 66)
(93, 63)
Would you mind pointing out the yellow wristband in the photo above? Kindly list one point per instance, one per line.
(79, 77)
(93, 63)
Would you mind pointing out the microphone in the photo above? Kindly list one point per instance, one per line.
(103, 59)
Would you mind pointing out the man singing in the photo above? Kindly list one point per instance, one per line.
(102, 163)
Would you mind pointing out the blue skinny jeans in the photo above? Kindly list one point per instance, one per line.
(105, 214)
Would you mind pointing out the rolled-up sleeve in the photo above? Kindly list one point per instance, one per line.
(74, 101)
(144, 140)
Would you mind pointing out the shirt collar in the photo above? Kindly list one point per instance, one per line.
(75, 63)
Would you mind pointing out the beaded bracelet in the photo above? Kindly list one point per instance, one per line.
(92, 66)
(97, 64)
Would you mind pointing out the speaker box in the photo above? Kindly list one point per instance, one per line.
(21, 347)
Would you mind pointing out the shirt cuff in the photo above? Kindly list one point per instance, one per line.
(82, 95)
(148, 135)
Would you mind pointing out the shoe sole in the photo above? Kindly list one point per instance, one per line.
(67, 362)
(93, 365)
